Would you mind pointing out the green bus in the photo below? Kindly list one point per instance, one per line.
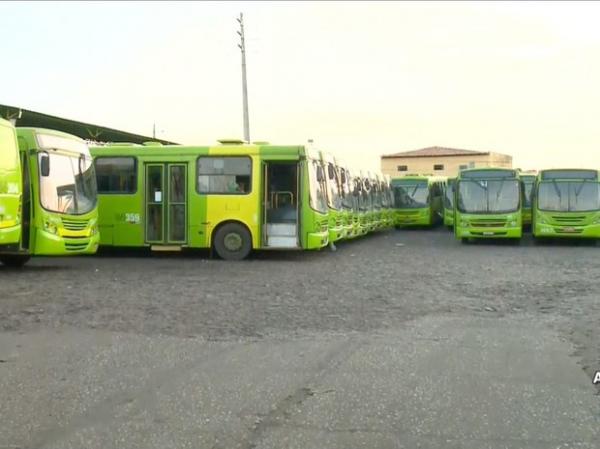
(417, 200)
(528, 181)
(488, 204)
(232, 197)
(349, 203)
(566, 203)
(11, 187)
(334, 197)
(59, 208)
(449, 203)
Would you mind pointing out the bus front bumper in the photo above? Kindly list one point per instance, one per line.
(48, 244)
(591, 231)
(336, 233)
(513, 232)
(317, 240)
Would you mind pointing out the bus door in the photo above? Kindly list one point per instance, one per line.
(166, 203)
(281, 218)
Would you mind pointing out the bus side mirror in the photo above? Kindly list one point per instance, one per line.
(45, 165)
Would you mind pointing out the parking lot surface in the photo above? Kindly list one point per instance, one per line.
(402, 339)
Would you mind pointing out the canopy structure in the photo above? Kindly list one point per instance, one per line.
(24, 117)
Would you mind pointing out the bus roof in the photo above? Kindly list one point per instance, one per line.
(487, 172)
(568, 173)
(271, 151)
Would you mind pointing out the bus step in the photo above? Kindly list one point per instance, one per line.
(281, 230)
(165, 248)
(282, 242)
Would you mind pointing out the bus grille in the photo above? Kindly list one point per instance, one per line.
(569, 220)
(75, 225)
(77, 246)
(488, 223)
(570, 231)
(407, 212)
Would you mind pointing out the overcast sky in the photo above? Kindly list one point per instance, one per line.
(361, 79)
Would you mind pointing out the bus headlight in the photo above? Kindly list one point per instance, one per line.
(513, 223)
(464, 224)
(94, 230)
(543, 220)
(50, 227)
(597, 220)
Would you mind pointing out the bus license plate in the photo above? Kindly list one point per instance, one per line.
(568, 229)
(488, 233)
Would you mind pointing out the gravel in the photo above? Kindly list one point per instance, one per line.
(372, 284)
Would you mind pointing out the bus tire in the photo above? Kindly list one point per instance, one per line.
(232, 241)
(14, 260)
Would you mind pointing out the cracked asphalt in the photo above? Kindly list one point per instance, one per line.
(404, 339)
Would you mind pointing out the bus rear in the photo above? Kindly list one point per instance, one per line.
(488, 204)
(566, 204)
(10, 189)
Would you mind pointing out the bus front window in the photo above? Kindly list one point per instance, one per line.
(70, 187)
(334, 198)
(411, 195)
(574, 196)
(488, 196)
(318, 199)
(449, 196)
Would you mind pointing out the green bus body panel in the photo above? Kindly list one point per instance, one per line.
(425, 216)
(559, 224)
(72, 234)
(487, 225)
(10, 187)
(123, 217)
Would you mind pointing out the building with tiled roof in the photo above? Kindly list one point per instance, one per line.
(440, 161)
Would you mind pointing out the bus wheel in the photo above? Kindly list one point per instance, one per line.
(14, 260)
(233, 242)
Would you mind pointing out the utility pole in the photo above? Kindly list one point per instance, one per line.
(154, 130)
(242, 46)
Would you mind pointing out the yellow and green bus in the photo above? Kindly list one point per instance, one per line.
(566, 203)
(528, 181)
(11, 190)
(488, 204)
(58, 201)
(232, 197)
(449, 203)
(417, 200)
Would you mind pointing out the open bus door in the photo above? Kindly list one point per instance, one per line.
(281, 213)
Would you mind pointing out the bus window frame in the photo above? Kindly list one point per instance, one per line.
(136, 171)
(219, 156)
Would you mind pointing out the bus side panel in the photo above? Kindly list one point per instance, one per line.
(245, 208)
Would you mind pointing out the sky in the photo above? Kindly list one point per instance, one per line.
(359, 79)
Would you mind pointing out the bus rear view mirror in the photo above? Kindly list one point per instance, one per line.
(44, 165)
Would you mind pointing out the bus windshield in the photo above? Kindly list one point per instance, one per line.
(411, 195)
(449, 195)
(569, 196)
(318, 199)
(70, 187)
(488, 196)
(333, 195)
